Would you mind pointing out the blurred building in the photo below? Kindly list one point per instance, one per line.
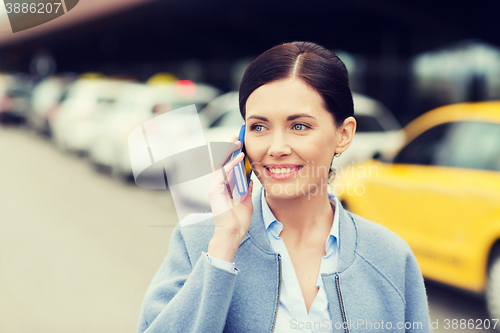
(212, 41)
(460, 72)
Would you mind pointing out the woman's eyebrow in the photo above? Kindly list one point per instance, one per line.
(289, 118)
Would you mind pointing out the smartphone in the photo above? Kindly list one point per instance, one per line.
(243, 170)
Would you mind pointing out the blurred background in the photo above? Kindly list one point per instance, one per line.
(80, 241)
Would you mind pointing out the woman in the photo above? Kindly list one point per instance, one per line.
(290, 259)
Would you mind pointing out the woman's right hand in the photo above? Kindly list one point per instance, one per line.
(232, 219)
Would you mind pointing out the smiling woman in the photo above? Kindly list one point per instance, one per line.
(296, 140)
(292, 254)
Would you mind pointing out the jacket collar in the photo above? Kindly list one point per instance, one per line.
(347, 233)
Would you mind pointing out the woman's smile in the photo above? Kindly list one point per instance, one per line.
(282, 171)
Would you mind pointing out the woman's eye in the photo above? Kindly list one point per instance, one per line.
(299, 127)
(257, 128)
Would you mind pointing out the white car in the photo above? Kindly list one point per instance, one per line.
(217, 109)
(137, 104)
(377, 131)
(45, 98)
(73, 124)
(14, 97)
(115, 124)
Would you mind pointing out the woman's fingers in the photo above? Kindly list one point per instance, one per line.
(247, 201)
(226, 172)
(220, 194)
(223, 175)
(231, 149)
(232, 163)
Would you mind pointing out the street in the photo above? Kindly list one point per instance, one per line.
(77, 248)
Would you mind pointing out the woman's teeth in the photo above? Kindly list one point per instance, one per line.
(282, 170)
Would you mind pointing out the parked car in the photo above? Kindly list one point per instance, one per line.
(219, 108)
(113, 127)
(441, 193)
(45, 98)
(14, 97)
(72, 125)
(376, 130)
(135, 105)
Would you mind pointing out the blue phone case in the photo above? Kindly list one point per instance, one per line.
(241, 178)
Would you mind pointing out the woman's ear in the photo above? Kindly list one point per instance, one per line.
(346, 133)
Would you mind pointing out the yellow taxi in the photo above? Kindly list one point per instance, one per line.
(441, 193)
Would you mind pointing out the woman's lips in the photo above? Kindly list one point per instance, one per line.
(282, 176)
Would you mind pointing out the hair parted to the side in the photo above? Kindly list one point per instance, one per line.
(317, 66)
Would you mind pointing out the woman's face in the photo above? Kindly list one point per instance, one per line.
(290, 138)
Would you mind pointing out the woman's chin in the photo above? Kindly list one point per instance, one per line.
(293, 190)
(282, 191)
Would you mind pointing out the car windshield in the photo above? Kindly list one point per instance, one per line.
(228, 118)
(367, 123)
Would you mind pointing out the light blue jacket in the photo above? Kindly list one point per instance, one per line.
(378, 282)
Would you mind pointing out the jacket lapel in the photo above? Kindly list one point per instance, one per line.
(258, 280)
(333, 281)
(257, 228)
(348, 239)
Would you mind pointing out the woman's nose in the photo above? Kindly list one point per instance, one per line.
(279, 146)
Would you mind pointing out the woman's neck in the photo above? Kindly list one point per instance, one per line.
(304, 217)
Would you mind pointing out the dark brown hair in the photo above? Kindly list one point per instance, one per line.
(317, 66)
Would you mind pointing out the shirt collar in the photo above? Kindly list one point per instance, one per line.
(276, 228)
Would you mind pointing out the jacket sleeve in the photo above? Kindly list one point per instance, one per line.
(417, 308)
(183, 298)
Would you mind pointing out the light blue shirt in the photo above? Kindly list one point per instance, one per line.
(292, 312)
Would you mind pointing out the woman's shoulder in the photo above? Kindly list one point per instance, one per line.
(383, 253)
(376, 241)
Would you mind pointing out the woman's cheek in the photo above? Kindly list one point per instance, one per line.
(256, 172)
(257, 169)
